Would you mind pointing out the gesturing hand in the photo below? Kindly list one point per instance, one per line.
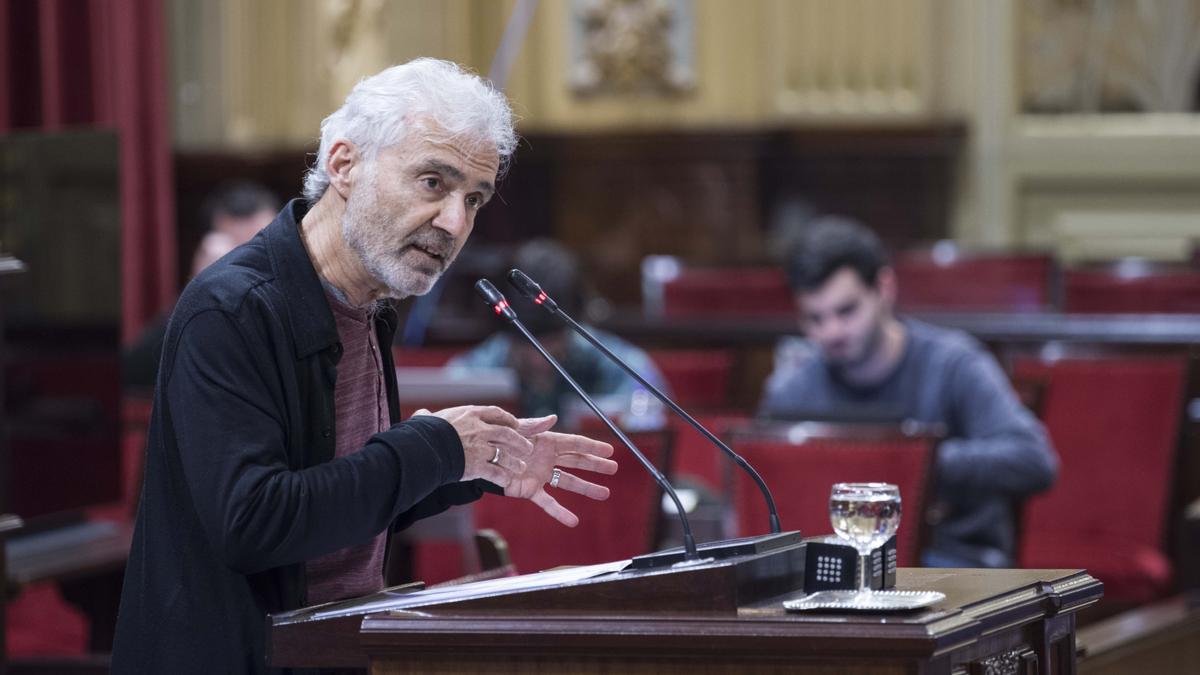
(529, 454)
(552, 452)
(493, 447)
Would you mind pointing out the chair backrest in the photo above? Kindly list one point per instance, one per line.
(699, 378)
(624, 526)
(1115, 423)
(1132, 288)
(696, 459)
(434, 549)
(977, 282)
(755, 291)
(802, 471)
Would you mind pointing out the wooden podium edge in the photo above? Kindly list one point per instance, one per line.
(711, 587)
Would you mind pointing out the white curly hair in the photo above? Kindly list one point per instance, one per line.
(383, 108)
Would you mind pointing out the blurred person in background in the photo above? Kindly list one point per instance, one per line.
(233, 214)
(541, 390)
(278, 463)
(860, 361)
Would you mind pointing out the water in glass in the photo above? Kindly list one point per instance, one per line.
(866, 515)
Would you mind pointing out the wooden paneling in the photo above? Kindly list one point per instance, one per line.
(263, 74)
(706, 195)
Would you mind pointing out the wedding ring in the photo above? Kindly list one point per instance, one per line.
(555, 476)
(495, 458)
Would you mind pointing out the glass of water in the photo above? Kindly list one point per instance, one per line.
(865, 515)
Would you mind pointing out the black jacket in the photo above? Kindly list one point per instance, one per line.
(241, 486)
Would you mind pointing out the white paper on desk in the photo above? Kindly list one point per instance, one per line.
(478, 589)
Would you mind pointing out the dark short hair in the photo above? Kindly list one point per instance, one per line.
(239, 198)
(829, 244)
(556, 269)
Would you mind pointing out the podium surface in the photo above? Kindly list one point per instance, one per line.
(992, 621)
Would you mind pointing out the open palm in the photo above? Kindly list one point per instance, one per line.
(564, 451)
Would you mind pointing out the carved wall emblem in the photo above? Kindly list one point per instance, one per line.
(632, 46)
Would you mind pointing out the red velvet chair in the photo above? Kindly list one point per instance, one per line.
(801, 472)
(40, 622)
(700, 382)
(974, 282)
(1133, 287)
(624, 526)
(729, 291)
(699, 378)
(696, 459)
(1115, 422)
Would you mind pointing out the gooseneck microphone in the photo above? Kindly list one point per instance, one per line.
(495, 299)
(532, 290)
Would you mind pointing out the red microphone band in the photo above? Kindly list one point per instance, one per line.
(540, 298)
(500, 306)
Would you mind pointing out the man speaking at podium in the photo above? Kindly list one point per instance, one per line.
(277, 464)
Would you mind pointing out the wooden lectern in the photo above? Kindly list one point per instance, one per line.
(722, 616)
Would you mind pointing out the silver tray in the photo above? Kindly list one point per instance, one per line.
(878, 601)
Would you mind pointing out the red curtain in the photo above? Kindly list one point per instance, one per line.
(103, 63)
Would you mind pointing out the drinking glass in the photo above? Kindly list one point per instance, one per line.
(866, 515)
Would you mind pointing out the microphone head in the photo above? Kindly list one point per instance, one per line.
(495, 299)
(531, 289)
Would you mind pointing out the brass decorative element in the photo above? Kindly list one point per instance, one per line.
(357, 42)
(1008, 663)
(631, 46)
(851, 59)
(1089, 56)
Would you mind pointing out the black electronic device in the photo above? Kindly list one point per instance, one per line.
(830, 564)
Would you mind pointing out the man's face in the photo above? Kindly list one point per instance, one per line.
(412, 208)
(845, 318)
(242, 228)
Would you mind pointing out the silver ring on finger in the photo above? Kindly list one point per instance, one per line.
(555, 476)
(496, 457)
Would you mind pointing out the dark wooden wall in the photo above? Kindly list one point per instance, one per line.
(703, 195)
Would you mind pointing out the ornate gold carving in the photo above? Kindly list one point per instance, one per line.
(631, 46)
(1103, 56)
(1012, 662)
(867, 58)
(357, 42)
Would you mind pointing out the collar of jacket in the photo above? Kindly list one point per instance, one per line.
(312, 323)
(313, 326)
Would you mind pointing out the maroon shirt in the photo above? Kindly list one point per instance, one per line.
(361, 411)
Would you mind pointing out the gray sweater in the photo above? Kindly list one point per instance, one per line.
(995, 452)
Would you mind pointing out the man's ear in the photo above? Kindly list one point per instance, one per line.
(343, 159)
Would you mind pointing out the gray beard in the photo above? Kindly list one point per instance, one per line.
(399, 286)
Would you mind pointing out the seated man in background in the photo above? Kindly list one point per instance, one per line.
(542, 391)
(859, 357)
(233, 214)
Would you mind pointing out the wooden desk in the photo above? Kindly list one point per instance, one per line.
(1011, 621)
(1001, 621)
(87, 560)
(1159, 638)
